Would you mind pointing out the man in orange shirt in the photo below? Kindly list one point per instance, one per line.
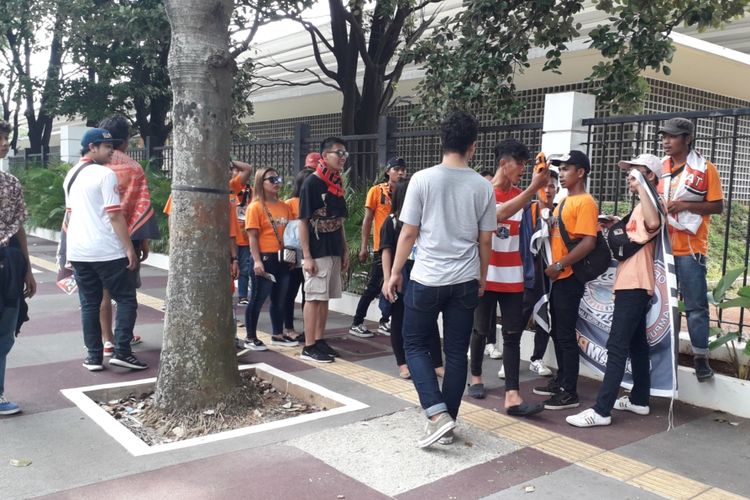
(377, 206)
(579, 213)
(693, 195)
(240, 196)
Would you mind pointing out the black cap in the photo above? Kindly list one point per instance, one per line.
(677, 126)
(575, 157)
(396, 161)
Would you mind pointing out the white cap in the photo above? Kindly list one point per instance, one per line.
(649, 161)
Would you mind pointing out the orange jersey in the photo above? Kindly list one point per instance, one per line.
(580, 219)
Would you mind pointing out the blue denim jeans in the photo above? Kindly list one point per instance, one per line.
(627, 336)
(261, 289)
(8, 321)
(691, 280)
(243, 261)
(92, 279)
(422, 304)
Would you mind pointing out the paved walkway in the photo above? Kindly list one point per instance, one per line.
(368, 453)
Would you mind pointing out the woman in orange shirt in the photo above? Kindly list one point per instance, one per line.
(265, 221)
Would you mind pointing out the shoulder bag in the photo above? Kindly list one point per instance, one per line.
(287, 255)
(592, 265)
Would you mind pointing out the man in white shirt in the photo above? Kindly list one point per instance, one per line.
(100, 250)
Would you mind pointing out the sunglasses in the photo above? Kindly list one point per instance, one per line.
(341, 153)
(275, 179)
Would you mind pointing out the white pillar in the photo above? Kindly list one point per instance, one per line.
(70, 143)
(562, 127)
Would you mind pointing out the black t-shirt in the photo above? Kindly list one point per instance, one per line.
(325, 213)
(389, 234)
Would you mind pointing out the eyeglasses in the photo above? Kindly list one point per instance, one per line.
(341, 153)
(275, 179)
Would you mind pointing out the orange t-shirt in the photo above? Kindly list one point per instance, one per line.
(637, 272)
(580, 218)
(379, 201)
(256, 218)
(236, 187)
(293, 204)
(684, 243)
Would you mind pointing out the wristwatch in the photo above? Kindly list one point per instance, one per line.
(559, 266)
(235, 259)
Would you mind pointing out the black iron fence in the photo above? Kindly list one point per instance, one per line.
(722, 136)
(47, 156)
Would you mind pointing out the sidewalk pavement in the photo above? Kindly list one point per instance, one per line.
(368, 453)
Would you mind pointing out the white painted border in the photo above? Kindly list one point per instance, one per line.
(136, 447)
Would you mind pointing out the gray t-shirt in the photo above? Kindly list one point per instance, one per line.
(450, 205)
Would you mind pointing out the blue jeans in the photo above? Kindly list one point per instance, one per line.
(92, 279)
(691, 280)
(243, 261)
(8, 321)
(261, 289)
(422, 304)
(627, 335)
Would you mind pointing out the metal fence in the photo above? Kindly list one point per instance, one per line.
(722, 136)
(46, 157)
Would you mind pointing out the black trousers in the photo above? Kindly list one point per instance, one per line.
(565, 298)
(372, 290)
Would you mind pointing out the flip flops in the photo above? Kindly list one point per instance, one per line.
(525, 409)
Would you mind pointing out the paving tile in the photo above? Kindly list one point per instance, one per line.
(486, 419)
(615, 466)
(669, 484)
(500, 473)
(524, 433)
(282, 472)
(570, 450)
(575, 483)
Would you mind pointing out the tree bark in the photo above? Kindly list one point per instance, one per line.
(198, 367)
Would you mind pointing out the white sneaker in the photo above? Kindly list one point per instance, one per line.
(492, 351)
(588, 418)
(540, 368)
(501, 373)
(624, 404)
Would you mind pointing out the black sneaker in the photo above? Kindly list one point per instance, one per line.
(562, 401)
(313, 353)
(283, 341)
(323, 347)
(550, 389)
(300, 339)
(129, 361)
(703, 370)
(255, 345)
(93, 365)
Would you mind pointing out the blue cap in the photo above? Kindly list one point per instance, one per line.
(96, 136)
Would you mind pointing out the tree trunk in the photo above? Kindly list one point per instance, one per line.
(198, 367)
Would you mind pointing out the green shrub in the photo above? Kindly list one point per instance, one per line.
(43, 192)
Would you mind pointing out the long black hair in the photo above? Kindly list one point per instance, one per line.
(398, 196)
(299, 179)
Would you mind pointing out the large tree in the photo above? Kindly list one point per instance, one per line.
(198, 367)
(472, 58)
(26, 27)
(368, 36)
(120, 49)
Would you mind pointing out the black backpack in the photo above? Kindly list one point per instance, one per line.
(595, 263)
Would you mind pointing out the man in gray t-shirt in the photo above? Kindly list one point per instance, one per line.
(449, 212)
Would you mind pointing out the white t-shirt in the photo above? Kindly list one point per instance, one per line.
(450, 205)
(94, 193)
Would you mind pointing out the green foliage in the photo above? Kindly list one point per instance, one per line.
(472, 59)
(160, 187)
(736, 243)
(718, 298)
(43, 192)
(355, 196)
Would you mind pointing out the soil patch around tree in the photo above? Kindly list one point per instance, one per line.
(256, 401)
